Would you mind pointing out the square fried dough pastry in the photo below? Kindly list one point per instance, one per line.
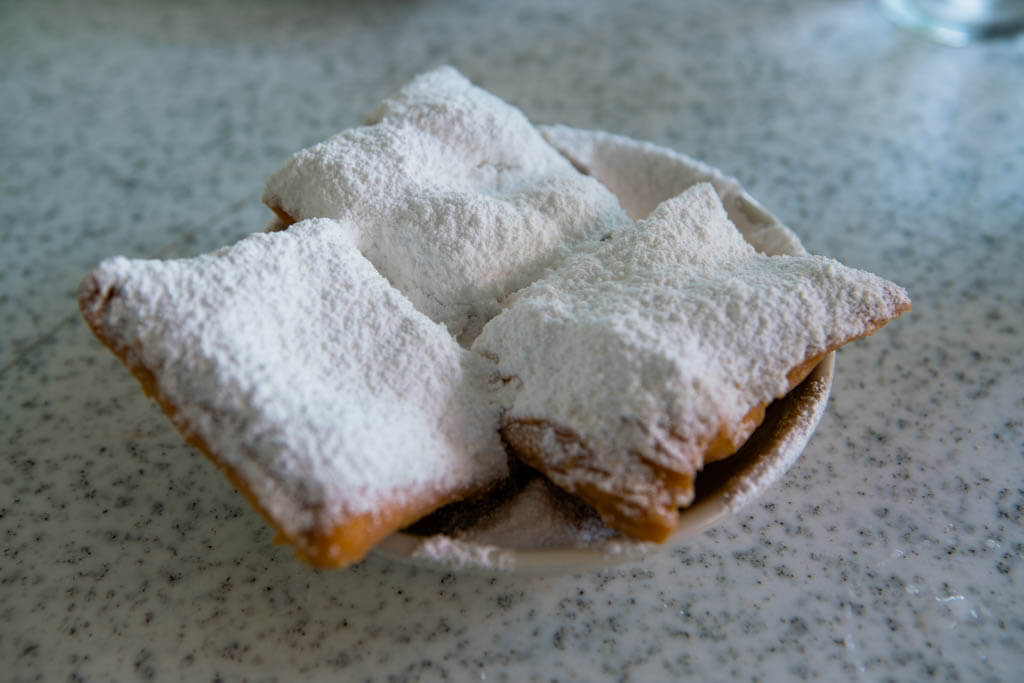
(458, 199)
(657, 350)
(338, 409)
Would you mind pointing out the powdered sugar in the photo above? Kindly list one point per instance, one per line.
(455, 197)
(672, 330)
(306, 372)
(462, 554)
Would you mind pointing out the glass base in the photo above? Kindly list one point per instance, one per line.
(957, 22)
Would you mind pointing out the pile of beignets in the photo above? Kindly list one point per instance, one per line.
(442, 291)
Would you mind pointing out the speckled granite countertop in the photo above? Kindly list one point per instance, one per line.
(892, 549)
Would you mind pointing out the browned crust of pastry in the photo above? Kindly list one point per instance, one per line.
(645, 506)
(333, 542)
(726, 442)
(282, 216)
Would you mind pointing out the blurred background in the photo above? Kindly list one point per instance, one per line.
(893, 548)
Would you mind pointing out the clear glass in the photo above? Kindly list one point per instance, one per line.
(958, 22)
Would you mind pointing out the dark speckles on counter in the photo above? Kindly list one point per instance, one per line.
(891, 550)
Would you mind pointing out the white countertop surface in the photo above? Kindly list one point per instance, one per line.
(893, 549)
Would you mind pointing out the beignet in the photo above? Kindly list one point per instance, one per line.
(648, 354)
(342, 412)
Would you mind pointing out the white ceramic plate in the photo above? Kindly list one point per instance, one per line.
(533, 528)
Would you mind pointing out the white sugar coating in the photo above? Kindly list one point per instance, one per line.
(463, 555)
(455, 197)
(306, 372)
(674, 329)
